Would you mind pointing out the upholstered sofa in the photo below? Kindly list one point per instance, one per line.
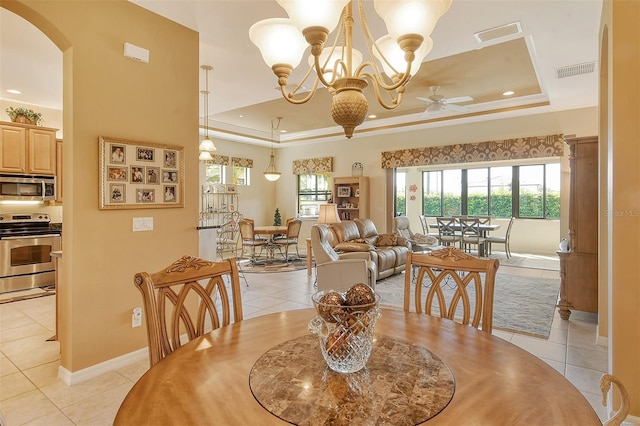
(387, 251)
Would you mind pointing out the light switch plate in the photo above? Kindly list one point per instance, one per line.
(142, 224)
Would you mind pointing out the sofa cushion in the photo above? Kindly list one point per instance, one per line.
(387, 240)
(344, 231)
(353, 246)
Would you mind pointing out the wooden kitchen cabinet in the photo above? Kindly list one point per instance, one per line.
(59, 171)
(27, 149)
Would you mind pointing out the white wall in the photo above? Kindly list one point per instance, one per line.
(527, 235)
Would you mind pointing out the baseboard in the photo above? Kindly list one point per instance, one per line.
(601, 340)
(72, 378)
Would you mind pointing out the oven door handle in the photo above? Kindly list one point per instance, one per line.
(31, 237)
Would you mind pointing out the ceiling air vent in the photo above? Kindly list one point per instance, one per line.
(573, 70)
(498, 32)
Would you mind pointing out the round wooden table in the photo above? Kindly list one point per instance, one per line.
(206, 381)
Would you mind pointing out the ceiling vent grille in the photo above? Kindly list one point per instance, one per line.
(498, 32)
(573, 70)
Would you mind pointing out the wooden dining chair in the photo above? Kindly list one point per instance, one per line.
(187, 299)
(448, 230)
(290, 238)
(249, 239)
(620, 415)
(470, 234)
(491, 240)
(472, 278)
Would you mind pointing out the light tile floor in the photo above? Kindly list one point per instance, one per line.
(30, 393)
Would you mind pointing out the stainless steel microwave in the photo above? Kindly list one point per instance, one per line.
(27, 188)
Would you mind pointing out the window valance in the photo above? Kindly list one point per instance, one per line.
(312, 165)
(219, 159)
(507, 149)
(242, 162)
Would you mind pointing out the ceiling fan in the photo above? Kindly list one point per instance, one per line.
(437, 103)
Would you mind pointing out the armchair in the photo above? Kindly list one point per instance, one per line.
(419, 242)
(339, 271)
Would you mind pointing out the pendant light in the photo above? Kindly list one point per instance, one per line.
(206, 146)
(271, 173)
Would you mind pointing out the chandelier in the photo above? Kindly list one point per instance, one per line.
(337, 65)
(271, 173)
(206, 146)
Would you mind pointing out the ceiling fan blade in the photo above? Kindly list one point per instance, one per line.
(427, 100)
(454, 107)
(459, 99)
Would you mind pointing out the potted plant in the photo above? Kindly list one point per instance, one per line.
(277, 219)
(24, 115)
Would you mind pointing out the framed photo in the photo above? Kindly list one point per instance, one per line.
(169, 193)
(118, 154)
(140, 175)
(118, 192)
(118, 173)
(145, 195)
(153, 175)
(357, 194)
(145, 154)
(170, 159)
(344, 191)
(231, 188)
(169, 176)
(137, 174)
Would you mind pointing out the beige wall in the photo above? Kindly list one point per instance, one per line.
(620, 207)
(107, 94)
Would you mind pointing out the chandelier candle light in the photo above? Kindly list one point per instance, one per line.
(206, 146)
(271, 173)
(339, 67)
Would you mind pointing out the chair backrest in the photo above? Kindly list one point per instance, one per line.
(340, 276)
(471, 281)
(470, 228)
(322, 250)
(508, 233)
(425, 224)
(187, 299)
(447, 226)
(246, 230)
(484, 220)
(293, 228)
(402, 227)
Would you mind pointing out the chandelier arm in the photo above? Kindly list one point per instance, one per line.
(289, 97)
(398, 81)
(395, 102)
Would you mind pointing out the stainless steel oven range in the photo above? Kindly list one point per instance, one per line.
(26, 243)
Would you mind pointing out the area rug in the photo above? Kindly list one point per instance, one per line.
(523, 305)
(273, 266)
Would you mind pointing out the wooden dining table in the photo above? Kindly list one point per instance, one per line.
(484, 228)
(207, 381)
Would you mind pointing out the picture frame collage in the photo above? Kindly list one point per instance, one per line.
(138, 175)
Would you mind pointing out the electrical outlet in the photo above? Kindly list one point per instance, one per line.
(136, 317)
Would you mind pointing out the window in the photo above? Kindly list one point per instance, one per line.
(401, 194)
(531, 191)
(241, 175)
(313, 189)
(214, 173)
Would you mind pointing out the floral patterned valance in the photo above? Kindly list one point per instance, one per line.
(242, 162)
(219, 159)
(313, 165)
(508, 149)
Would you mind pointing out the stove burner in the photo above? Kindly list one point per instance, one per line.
(25, 225)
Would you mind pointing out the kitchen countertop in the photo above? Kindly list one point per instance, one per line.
(57, 253)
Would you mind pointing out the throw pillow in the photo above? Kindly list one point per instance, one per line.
(387, 240)
(424, 239)
(349, 246)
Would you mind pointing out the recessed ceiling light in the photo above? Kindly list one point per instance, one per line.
(283, 131)
(14, 91)
(508, 93)
(241, 116)
(372, 116)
